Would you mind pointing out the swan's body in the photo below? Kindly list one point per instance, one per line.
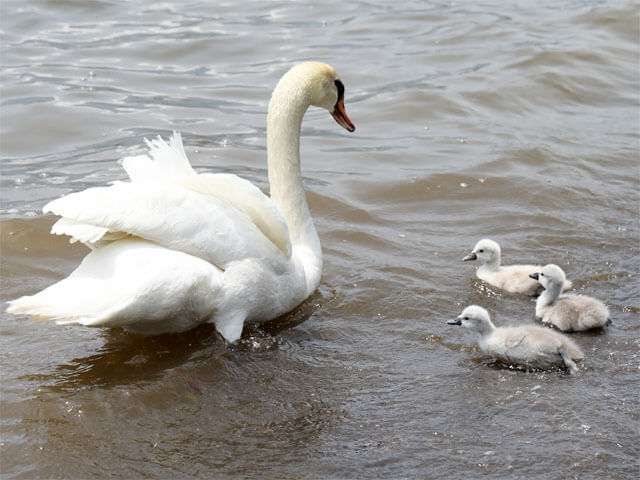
(529, 346)
(568, 313)
(512, 278)
(172, 248)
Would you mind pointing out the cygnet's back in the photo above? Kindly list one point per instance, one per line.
(529, 346)
(511, 278)
(568, 313)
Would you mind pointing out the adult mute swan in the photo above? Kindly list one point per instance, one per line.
(172, 248)
(569, 313)
(527, 345)
(510, 278)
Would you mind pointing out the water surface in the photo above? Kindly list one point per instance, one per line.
(514, 122)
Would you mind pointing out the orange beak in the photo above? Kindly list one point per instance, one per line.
(341, 117)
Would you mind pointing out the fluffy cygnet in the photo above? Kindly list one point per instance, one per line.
(569, 313)
(530, 346)
(511, 278)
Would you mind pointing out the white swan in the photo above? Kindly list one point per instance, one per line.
(172, 248)
(569, 313)
(511, 278)
(530, 346)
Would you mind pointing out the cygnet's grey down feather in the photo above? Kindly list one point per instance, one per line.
(529, 346)
(511, 278)
(568, 313)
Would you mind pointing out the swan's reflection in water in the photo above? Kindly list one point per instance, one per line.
(126, 358)
(201, 392)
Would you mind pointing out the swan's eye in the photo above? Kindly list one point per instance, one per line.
(541, 274)
(466, 318)
(481, 250)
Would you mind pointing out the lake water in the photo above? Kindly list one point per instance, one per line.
(517, 121)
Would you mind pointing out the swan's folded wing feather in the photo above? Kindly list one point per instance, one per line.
(246, 197)
(168, 163)
(170, 156)
(515, 338)
(79, 232)
(168, 215)
(92, 236)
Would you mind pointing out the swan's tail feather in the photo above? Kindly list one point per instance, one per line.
(39, 310)
(44, 311)
(66, 302)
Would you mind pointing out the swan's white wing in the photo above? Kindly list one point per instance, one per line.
(168, 163)
(224, 207)
(246, 197)
(79, 232)
(168, 215)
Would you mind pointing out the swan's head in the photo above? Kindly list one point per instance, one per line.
(325, 88)
(474, 318)
(485, 251)
(550, 277)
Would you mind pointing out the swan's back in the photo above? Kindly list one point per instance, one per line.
(533, 346)
(512, 278)
(574, 313)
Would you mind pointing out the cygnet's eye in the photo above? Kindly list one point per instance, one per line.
(481, 250)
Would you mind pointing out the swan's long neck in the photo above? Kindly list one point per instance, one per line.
(486, 328)
(287, 107)
(492, 265)
(549, 295)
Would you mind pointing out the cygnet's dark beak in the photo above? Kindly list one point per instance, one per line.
(535, 276)
(454, 321)
(471, 256)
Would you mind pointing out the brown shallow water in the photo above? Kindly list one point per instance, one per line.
(518, 123)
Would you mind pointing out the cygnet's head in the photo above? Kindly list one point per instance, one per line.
(324, 86)
(474, 318)
(550, 277)
(485, 251)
